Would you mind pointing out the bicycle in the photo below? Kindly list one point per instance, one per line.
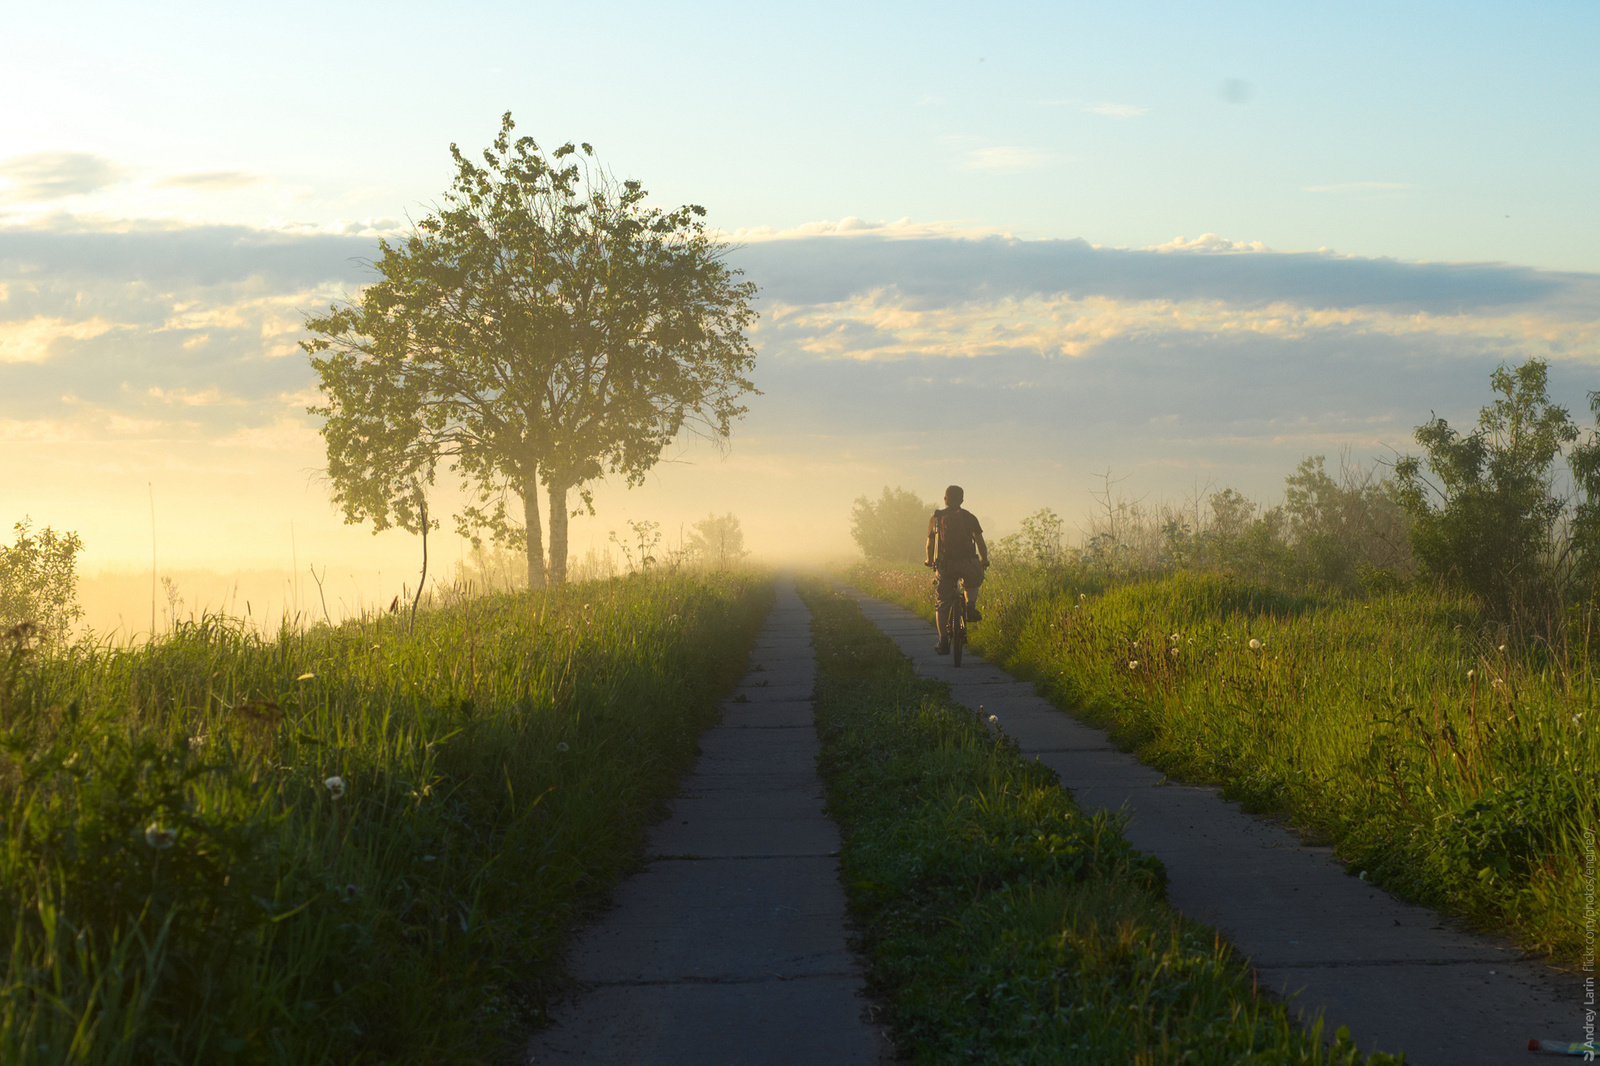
(952, 622)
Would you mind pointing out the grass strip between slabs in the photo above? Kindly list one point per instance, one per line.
(364, 843)
(1001, 924)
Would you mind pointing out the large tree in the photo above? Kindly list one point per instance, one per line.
(543, 328)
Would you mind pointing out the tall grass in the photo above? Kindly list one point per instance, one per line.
(1442, 758)
(353, 844)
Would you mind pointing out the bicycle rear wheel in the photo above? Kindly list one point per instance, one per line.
(958, 634)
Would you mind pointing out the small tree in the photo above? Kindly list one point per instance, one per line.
(544, 328)
(892, 528)
(1347, 531)
(716, 541)
(39, 581)
(1487, 521)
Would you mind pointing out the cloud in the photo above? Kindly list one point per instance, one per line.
(174, 254)
(1208, 242)
(1062, 354)
(31, 340)
(209, 180)
(942, 271)
(38, 177)
(1117, 110)
(187, 332)
(1003, 159)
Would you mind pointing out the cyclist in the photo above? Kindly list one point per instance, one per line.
(957, 551)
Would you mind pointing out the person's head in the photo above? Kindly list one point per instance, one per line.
(953, 496)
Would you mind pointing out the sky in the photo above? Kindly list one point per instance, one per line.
(1182, 245)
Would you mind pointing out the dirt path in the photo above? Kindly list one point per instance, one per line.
(1396, 974)
(730, 947)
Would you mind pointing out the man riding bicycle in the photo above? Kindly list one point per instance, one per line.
(957, 551)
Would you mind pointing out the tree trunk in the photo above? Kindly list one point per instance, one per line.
(530, 518)
(558, 532)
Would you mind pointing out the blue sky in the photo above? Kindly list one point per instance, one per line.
(1404, 196)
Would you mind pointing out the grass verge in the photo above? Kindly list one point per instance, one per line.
(1002, 925)
(1456, 768)
(361, 844)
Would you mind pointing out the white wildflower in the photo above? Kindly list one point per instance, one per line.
(1174, 652)
(1133, 664)
(1501, 648)
(1255, 645)
(335, 787)
(159, 836)
(994, 719)
(562, 746)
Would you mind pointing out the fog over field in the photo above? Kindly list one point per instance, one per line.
(1143, 264)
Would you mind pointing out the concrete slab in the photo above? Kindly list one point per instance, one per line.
(729, 948)
(1400, 976)
(774, 714)
(765, 824)
(770, 1022)
(751, 917)
(759, 691)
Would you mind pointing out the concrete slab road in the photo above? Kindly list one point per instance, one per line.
(729, 948)
(1398, 975)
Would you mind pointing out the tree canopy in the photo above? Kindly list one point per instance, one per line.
(544, 328)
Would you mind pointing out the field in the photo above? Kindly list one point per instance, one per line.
(363, 843)
(1443, 759)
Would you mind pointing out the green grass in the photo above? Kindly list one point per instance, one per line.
(1001, 925)
(1450, 764)
(182, 884)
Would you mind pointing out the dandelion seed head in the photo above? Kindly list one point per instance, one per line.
(1133, 664)
(335, 787)
(1255, 645)
(1497, 683)
(350, 892)
(159, 836)
(562, 746)
(1173, 652)
(1501, 648)
(994, 719)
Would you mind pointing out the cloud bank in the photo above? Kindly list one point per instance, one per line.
(1201, 354)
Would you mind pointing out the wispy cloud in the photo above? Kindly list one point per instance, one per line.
(39, 177)
(209, 180)
(1004, 159)
(32, 340)
(1117, 110)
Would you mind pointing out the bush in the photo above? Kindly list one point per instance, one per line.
(38, 581)
(1489, 523)
(893, 528)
